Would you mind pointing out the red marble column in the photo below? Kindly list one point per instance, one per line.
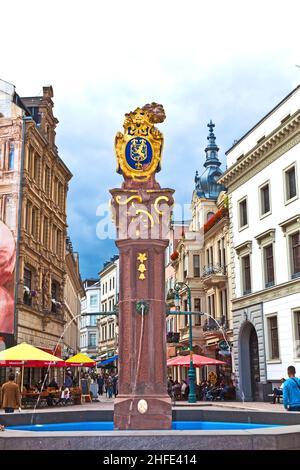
(143, 402)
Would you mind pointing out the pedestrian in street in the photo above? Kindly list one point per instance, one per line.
(278, 391)
(10, 395)
(68, 381)
(291, 391)
(100, 381)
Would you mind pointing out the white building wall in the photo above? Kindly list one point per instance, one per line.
(287, 345)
(256, 225)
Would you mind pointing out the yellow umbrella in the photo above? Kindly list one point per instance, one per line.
(80, 360)
(26, 355)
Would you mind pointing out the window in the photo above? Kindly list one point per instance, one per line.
(46, 232)
(103, 289)
(209, 215)
(246, 274)
(297, 332)
(34, 223)
(27, 286)
(113, 282)
(207, 256)
(58, 242)
(265, 199)
(185, 266)
(224, 251)
(47, 181)
(36, 167)
(28, 218)
(197, 308)
(211, 255)
(110, 284)
(273, 338)
(11, 156)
(53, 239)
(10, 212)
(92, 340)
(54, 290)
(219, 253)
(290, 183)
(243, 213)
(55, 305)
(295, 254)
(268, 265)
(196, 262)
(93, 300)
(93, 320)
(186, 317)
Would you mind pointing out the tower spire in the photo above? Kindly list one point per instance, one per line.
(212, 148)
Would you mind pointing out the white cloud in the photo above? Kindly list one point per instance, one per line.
(229, 61)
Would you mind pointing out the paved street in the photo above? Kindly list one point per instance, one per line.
(108, 404)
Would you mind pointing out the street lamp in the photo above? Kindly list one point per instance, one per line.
(192, 373)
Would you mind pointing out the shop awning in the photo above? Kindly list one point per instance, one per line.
(80, 360)
(107, 361)
(27, 355)
(198, 361)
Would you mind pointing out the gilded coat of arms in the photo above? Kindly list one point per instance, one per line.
(139, 149)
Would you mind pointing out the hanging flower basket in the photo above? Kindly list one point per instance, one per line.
(215, 218)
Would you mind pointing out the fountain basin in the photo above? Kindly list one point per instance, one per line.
(282, 431)
(109, 426)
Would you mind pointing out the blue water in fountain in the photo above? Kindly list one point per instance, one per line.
(109, 426)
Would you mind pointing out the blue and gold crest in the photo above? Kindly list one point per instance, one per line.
(139, 149)
(138, 153)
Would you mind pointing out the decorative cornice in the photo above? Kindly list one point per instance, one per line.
(271, 293)
(295, 220)
(267, 234)
(263, 154)
(245, 246)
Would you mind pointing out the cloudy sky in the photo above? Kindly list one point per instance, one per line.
(230, 61)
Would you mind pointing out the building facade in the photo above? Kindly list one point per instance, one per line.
(263, 179)
(74, 291)
(33, 191)
(90, 308)
(200, 260)
(108, 323)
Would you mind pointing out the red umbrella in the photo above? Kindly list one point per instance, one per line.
(198, 361)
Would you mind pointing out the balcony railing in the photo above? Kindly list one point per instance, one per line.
(173, 337)
(210, 269)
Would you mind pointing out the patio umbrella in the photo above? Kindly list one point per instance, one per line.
(198, 361)
(80, 360)
(26, 355)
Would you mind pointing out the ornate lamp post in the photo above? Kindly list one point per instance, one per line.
(192, 373)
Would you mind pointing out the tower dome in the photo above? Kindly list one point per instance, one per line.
(206, 185)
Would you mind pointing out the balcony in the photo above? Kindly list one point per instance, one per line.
(173, 337)
(214, 275)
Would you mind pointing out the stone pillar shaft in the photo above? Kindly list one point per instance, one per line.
(143, 402)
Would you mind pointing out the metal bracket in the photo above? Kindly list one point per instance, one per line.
(142, 307)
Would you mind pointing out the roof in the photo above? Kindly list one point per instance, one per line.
(263, 119)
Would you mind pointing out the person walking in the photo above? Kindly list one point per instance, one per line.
(10, 395)
(291, 391)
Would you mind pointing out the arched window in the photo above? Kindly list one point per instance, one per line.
(209, 215)
(11, 156)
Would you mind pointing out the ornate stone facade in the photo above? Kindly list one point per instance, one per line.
(40, 219)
